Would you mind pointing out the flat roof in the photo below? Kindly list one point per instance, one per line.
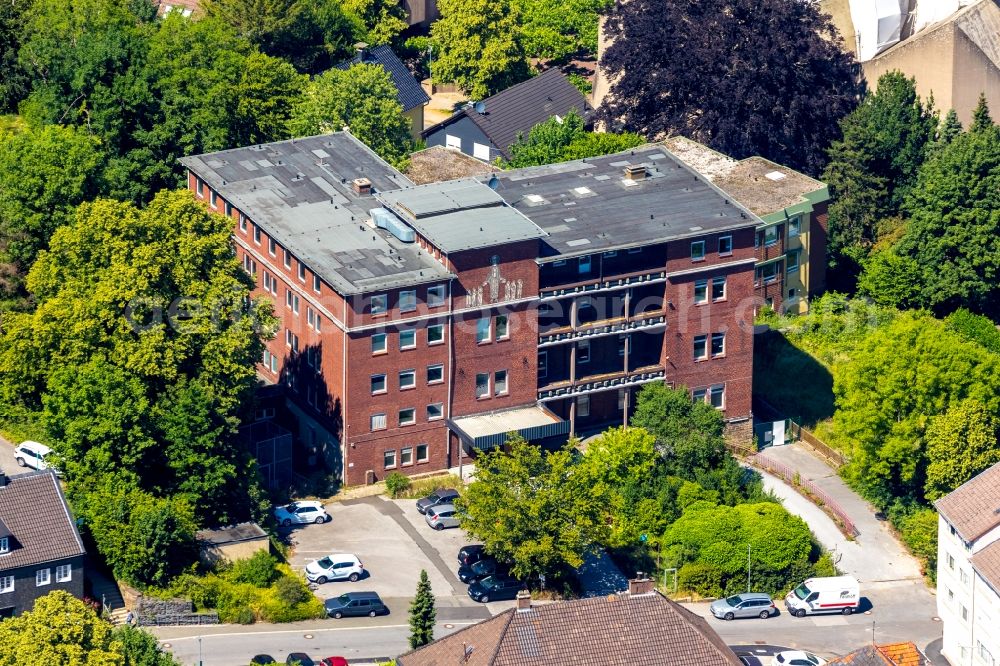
(437, 163)
(588, 205)
(299, 192)
(759, 184)
(508, 420)
(460, 215)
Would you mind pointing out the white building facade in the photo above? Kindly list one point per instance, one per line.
(968, 571)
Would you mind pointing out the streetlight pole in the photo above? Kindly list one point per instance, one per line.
(748, 566)
(200, 662)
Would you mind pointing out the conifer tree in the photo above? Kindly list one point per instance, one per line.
(422, 613)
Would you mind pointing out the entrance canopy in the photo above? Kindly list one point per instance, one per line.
(490, 429)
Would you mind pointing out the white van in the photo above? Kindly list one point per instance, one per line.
(836, 594)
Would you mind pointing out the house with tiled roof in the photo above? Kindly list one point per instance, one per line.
(968, 578)
(40, 548)
(633, 628)
(893, 654)
(486, 130)
(409, 93)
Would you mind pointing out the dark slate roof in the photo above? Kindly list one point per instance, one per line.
(619, 629)
(33, 508)
(519, 108)
(409, 92)
(973, 508)
(232, 534)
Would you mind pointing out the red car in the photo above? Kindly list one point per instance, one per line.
(334, 661)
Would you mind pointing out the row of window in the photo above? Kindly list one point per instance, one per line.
(407, 416)
(407, 339)
(408, 300)
(718, 290)
(500, 386)
(586, 263)
(405, 456)
(770, 272)
(701, 348)
(713, 395)
(492, 328)
(64, 574)
(272, 249)
(771, 235)
(408, 379)
(698, 248)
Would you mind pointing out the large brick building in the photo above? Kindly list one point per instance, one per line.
(418, 319)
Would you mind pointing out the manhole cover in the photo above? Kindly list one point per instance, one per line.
(308, 636)
(868, 612)
(449, 626)
(166, 645)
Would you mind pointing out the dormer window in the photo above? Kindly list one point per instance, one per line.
(4, 545)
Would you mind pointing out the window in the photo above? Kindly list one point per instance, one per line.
(791, 293)
(406, 456)
(302, 272)
(435, 412)
(408, 339)
(621, 398)
(717, 396)
(500, 324)
(951, 561)
(435, 374)
(274, 363)
(435, 334)
(229, 209)
(559, 262)
(634, 250)
(481, 152)
(435, 296)
(697, 250)
(700, 350)
(543, 364)
(407, 379)
(318, 322)
(583, 351)
(287, 258)
(771, 235)
(291, 340)
(43, 577)
(200, 184)
(215, 199)
(500, 382)
(243, 223)
(794, 225)
(272, 247)
(378, 421)
(718, 344)
(407, 300)
(249, 265)
(421, 453)
(483, 330)
(701, 291)
(984, 654)
(378, 384)
(768, 272)
(407, 416)
(725, 245)
(965, 576)
(965, 613)
(6, 584)
(295, 303)
(256, 234)
(698, 395)
(451, 141)
(4, 545)
(718, 288)
(951, 594)
(378, 343)
(64, 573)
(610, 254)
(317, 284)
(270, 284)
(583, 265)
(621, 344)
(389, 459)
(380, 304)
(791, 262)
(482, 385)
(310, 318)
(583, 405)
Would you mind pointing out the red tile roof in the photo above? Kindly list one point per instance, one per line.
(987, 564)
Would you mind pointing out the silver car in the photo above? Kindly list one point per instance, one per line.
(442, 516)
(747, 604)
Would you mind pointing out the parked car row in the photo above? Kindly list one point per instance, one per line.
(832, 594)
(438, 508)
(488, 579)
(298, 659)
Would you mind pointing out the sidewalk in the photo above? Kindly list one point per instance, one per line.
(876, 556)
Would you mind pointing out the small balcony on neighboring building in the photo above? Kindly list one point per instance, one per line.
(637, 308)
(603, 362)
(603, 382)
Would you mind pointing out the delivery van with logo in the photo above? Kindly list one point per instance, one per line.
(835, 594)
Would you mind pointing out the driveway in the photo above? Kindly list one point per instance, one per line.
(8, 465)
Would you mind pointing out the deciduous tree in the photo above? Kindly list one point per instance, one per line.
(746, 77)
(559, 29)
(960, 443)
(380, 21)
(478, 44)
(559, 140)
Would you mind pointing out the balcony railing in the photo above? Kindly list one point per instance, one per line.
(618, 282)
(617, 325)
(566, 388)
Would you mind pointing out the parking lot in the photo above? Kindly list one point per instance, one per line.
(394, 543)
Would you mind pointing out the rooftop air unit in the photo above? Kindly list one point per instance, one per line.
(384, 219)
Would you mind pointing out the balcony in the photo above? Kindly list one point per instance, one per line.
(639, 322)
(610, 380)
(617, 282)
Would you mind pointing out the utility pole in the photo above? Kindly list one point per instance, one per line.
(200, 662)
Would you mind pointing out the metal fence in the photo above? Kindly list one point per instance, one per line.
(821, 447)
(823, 500)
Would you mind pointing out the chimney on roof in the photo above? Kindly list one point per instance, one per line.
(523, 600)
(635, 172)
(362, 186)
(641, 584)
(360, 48)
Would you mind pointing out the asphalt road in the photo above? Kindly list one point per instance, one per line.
(7, 463)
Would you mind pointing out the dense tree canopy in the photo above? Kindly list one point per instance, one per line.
(362, 98)
(559, 29)
(380, 21)
(14, 82)
(559, 140)
(746, 77)
(960, 443)
(874, 165)
(478, 44)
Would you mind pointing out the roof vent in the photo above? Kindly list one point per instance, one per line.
(774, 175)
(635, 172)
(641, 584)
(523, 600)
(362, 186)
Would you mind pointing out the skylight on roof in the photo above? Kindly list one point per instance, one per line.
(535, 198)
(774, 175)
(583, 191)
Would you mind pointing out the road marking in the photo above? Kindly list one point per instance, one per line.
(166, 641)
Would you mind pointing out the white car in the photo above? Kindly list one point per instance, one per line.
(338, 566)
(301, 512)
(797, 658)
(32, 454)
